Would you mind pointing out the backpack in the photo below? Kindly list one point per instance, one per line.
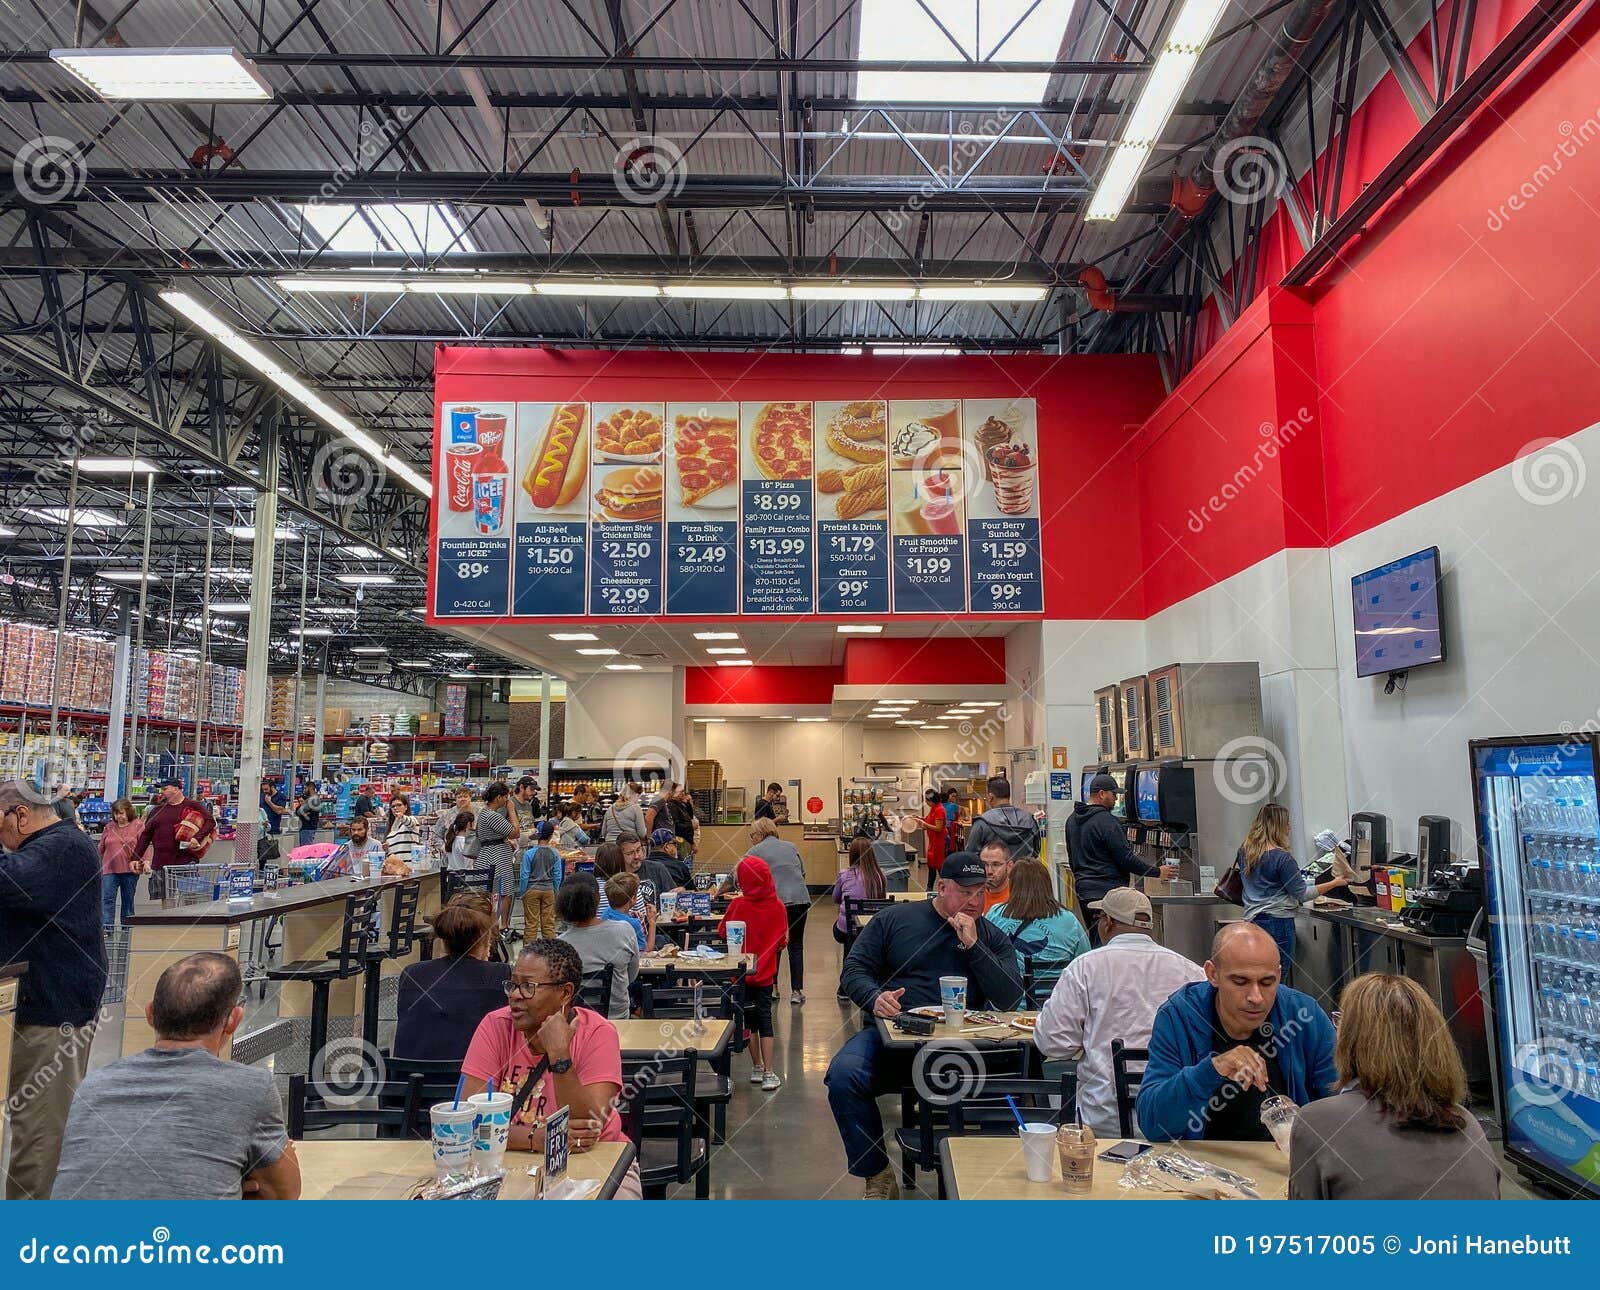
(1023, 844)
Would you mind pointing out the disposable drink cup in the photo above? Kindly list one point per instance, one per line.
(452, 1137)
(1278, 1114)
(1075, 1144)
(491, 1127)
(461, 459)
(1038, 1146)
(735, 938)
(669, 905)
(953, 994)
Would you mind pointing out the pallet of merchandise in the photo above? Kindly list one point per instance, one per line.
(16, 658)
(702, 774)
(42, 672)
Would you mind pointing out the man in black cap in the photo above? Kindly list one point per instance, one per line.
(1098, 850)
(167, 842)
(895, 965)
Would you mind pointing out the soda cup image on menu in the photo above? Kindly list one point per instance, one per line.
(461, 460)
(492, 435)
(464, 425)
(488, 500)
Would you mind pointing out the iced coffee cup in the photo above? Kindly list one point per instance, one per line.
(1075, 1144)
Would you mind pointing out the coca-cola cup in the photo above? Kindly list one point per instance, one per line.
(461, 460)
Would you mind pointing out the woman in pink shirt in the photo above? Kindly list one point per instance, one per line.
(571, 1056)
(117, 849)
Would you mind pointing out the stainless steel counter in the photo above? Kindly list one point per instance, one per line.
(1187, 924)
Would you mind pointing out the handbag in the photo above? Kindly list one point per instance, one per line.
(1230, 887)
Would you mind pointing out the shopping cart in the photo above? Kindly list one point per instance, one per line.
(191, 884)
(116, 966)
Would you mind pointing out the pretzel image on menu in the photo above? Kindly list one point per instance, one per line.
(852, 459)
(559, 463)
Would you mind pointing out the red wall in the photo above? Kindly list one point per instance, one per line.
(1090, 408)
(943, 660)
(790, 686)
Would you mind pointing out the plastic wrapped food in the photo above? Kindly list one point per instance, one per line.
(1172, 1170)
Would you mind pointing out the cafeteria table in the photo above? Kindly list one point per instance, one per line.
(1001, 1032)
(978, 1168)
(389, 1169)
(658, 965)
(669, 1036)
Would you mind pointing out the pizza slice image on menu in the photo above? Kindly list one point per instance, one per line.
(705, 450)
(780, 440)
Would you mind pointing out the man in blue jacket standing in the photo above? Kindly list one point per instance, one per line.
(1222, 1046)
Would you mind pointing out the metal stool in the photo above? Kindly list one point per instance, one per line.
(320, 974)
(402, 935)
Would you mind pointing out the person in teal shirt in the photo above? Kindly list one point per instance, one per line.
(1039, 926)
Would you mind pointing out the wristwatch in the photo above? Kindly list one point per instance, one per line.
(561, 1067)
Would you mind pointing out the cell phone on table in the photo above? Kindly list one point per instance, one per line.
(1122, 1152)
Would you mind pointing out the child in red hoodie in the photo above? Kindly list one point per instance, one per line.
(766, 931)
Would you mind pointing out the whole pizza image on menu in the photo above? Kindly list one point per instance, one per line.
(776, 574)
(1002, 504)
(476, 446)
(551, 509)
(625, 508)
(852, 500)
(702, 502)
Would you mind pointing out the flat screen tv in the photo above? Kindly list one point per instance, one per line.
(1397, 619)
(1147, 794)
(1089, 772)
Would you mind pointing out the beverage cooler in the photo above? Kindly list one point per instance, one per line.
(1534, 801)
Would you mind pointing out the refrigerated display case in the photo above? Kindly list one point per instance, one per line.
(1534, 802)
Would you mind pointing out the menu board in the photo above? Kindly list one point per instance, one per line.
(713, 509)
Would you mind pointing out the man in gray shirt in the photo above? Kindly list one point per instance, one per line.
(176, 1122)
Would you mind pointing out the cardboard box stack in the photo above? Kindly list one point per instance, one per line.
(455, 710)
(280, 702)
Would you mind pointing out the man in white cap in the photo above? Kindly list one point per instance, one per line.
(1110, 993)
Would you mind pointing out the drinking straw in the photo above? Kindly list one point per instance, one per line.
(491, 1088)
(462, 1083)
(1012, 1103)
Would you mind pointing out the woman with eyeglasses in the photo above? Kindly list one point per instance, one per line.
(548, 1054)
(442, 1001)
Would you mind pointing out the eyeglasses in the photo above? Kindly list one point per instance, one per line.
(526, 989)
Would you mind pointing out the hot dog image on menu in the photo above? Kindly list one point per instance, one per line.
(553, 458)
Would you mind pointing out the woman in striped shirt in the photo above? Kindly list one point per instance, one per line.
(404, 837)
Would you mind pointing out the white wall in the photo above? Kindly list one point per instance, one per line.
(1521, 608)
(608, 711)
(817, 753)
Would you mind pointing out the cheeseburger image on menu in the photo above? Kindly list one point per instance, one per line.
(626, 444)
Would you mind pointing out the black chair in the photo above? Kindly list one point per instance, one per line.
(595, 991)
(455, 881)
(697, 939)
(1039, 976)
(925, 1106)
(659, 1113)
(402, 936)
(438, 1084)
(349, 960)
(721, 997)
(393, 1105)
(855, 908)
(985, 1113)
(1127, 1081)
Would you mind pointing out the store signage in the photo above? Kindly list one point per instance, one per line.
(847, 507)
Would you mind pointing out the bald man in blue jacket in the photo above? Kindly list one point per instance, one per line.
(1220, 1047)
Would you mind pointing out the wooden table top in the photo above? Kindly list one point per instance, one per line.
(388, 1169)
(862, 920)
(643, 1037)
(1002, 1033)
(907, 895)
(657, 965)
(992, 1169)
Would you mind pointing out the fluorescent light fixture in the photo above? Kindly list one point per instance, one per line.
(908, 723)
(716, 636)
(413, 662)
(604, 651)
(770, 717)
(725, 291)
(726, 649)
(128, 575)
(733, 662)
(234, 575)
(808, 720)
(84, 517)
(984, 703)
(115, 466)
(468, 287)
(853, 291)
(859, 629)
(573, 287)
(624, 667)
(995, 292)
(369, 649)
(1159, 94)
(913, 351)
(414, 228)
(935, 727)
(247, 532)
(307, 632)
(573, 636)
(355, 284)
(455, 653)
(364, 579)
(230, 607)
(360, 552)
(893, 31)
(5, 532)
(166, 75)
(710, 721)
(851, 350)
(270, 367)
